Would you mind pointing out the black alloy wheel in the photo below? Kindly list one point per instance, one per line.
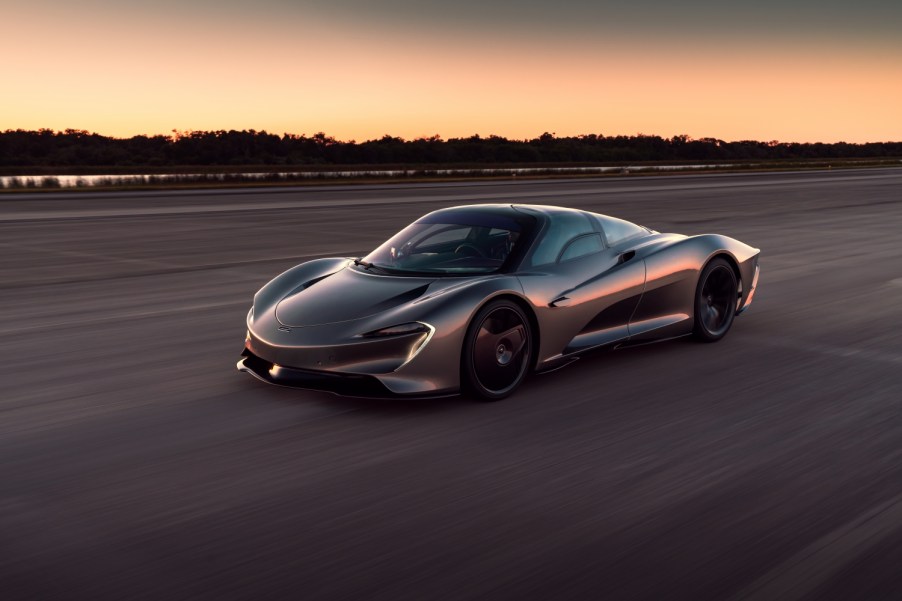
(715, 301)
(497, 351)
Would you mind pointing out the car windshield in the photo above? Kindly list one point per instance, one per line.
(428, 247)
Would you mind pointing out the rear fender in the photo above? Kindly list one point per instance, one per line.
(667, 306)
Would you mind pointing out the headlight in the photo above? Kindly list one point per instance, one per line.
(399, 330)
(414, 327)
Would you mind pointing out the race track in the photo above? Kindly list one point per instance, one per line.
(136, 463)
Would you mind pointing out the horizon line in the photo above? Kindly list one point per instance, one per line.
(176, 134)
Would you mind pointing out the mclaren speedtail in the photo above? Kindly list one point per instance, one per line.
(474, 298)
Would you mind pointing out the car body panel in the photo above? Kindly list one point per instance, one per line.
(447, 305)
(596, 307)
(323, 320)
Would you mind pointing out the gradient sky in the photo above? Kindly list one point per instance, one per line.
(357, 69)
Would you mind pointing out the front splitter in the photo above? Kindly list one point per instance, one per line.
(351, 385)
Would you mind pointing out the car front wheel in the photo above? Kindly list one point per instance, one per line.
(497, 351)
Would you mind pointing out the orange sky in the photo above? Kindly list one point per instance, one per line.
(126, 73)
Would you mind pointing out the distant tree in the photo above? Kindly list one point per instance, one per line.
(75, 148)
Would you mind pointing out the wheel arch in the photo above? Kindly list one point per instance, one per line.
(698, 329)
(741, 257)
(731, 260)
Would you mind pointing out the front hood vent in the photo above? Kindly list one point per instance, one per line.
(347, 295)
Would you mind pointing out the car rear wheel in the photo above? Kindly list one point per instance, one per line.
(715, 301)
(497, 351)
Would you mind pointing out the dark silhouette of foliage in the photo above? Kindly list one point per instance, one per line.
(81, 149)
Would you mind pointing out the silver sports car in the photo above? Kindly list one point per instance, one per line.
(476, 297)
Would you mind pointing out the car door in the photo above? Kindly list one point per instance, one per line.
(584, 292)
(669, 287)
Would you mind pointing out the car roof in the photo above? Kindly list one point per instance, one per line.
(508, 210)
(546, 210)
(488, 209)
(492, 215)
(515, 211)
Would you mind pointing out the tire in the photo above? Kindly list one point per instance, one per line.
(715, 301)
(497, 351)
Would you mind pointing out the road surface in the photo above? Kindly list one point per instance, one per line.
(136, 463)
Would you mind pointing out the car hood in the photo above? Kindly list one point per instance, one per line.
(347, 295)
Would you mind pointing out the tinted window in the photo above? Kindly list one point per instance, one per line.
(618, 230)
(563, 228)
(442, 234)
(445, 248)
(584, 245)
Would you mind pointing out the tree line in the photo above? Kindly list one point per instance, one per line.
(79, 148)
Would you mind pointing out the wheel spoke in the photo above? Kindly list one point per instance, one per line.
(500, 350)
(711, 317)
(485, 347)
(516, 337)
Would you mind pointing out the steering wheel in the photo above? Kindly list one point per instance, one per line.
(468, 250)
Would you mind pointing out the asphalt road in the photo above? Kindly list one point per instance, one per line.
(136, 463)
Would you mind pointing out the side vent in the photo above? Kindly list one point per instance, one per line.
(625, 256)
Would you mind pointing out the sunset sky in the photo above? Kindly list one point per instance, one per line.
(357, 69)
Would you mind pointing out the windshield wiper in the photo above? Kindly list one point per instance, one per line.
(368, 265)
